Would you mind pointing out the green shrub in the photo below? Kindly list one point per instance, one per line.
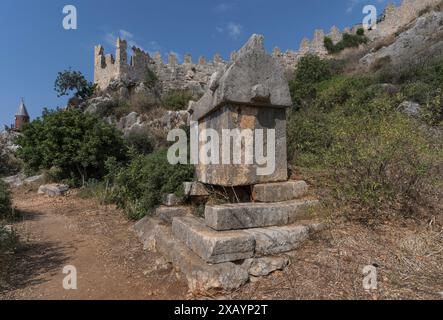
(381, 165)
(76, 143)
(375, 160)
(140, 141)
(5, 201)
(310, 71)
(139, 188)
(177, 99)
(432, 112)
(348, 41)
(151, 78)
(308, 137)
(9, 164)
(419, 92)
(117, 107)
(8, 240)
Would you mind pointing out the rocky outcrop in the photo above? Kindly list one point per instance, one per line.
(417, 44)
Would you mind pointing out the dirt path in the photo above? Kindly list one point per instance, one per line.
(97, 240)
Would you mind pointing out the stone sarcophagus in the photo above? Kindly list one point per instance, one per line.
(241, 121)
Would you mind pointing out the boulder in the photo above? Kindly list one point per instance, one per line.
(410, 108)
(261, 267)
(53, 190)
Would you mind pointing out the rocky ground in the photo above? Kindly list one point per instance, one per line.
(111, 263)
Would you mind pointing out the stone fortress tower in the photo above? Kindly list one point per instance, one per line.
(21, 117)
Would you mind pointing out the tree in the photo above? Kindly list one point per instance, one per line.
(78, 144)
(68, 81)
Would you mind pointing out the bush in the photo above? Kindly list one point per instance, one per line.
(140, 141)
(8, 240)
(376, 161)
(177, 99)
(151, 78)
(5, 202)
(139, 188)
(308, 137)
(381, 165)
(76, 143)
(310, 71)
(9, 165)
(348, 41)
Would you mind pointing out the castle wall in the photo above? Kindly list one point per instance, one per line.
(172, 75)
(394, 19)
(397, 17)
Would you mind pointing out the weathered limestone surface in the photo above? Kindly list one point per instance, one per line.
(167, 214)
(244, 117)
(172, 200)
(194, 189)
(201, 276)
(277, 192)
(252, 93)
(261, 267)
(253, 78)
(276, 240)
(210, 245)
(255, 215)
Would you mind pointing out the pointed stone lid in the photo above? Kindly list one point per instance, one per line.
(253, 78)
(22, 109)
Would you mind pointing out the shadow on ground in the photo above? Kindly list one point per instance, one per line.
(31, 260)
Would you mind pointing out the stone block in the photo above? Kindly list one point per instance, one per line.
(213, 246)
(201, 277)
(276, 240)
(195, 189)
(167, 214)
(254, 215)
(172, 200)
(280, 191)
(260, 267)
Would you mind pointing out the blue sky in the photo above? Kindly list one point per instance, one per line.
(35, 45)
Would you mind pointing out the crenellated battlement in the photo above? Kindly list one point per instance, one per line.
(391, 21)
(394, 18)
(172, 74)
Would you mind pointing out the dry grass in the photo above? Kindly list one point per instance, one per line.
(408, 257)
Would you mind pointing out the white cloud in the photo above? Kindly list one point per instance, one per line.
(111, 39)
(223, 7)
(234, 30)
